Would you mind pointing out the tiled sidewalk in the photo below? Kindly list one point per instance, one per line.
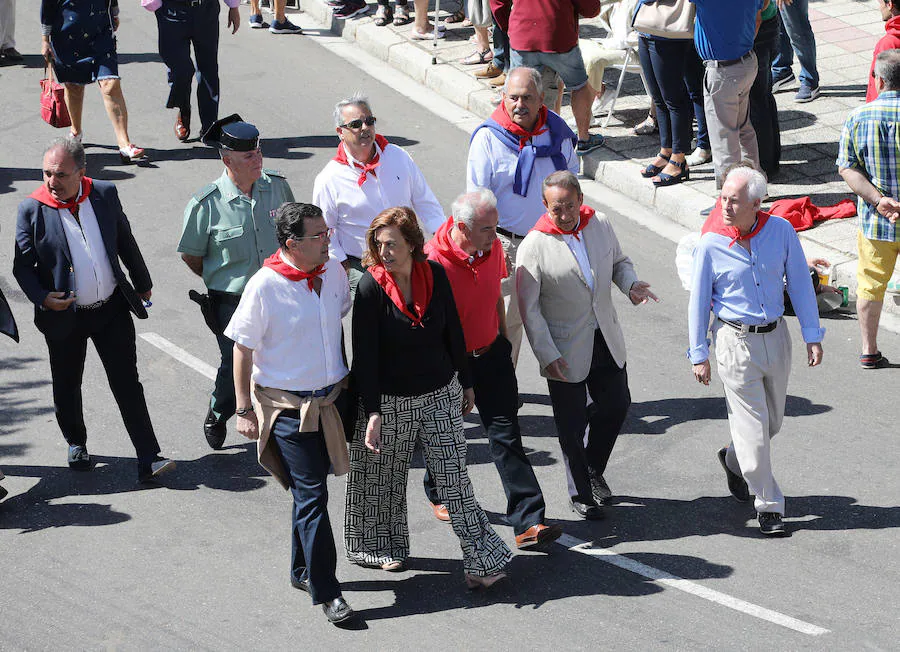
(846, 33)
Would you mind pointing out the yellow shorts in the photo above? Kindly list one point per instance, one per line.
(876, 264)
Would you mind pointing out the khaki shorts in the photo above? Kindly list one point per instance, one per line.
(876, 264)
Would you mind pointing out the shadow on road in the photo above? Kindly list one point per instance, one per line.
(16, 409)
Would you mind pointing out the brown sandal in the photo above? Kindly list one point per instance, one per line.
(456, 17)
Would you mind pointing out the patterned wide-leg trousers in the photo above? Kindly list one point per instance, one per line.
(375, 525)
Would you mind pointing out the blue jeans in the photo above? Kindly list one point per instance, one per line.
(501, 48)
(663, 63)
(693, 80)
(796, 36)
(313, 556)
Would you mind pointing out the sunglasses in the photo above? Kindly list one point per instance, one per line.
(359, 122)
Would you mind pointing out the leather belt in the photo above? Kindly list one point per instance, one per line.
(728, 62)
(509, 234)
(189, 3)
(477, 353)
(745, 328)
(95, 305)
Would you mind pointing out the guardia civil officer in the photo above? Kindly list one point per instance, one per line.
(228, 233)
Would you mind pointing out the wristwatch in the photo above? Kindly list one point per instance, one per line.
(242, 412)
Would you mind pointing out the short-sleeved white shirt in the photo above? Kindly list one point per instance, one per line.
(295, 334)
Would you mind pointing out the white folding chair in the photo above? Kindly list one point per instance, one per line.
(632, 64)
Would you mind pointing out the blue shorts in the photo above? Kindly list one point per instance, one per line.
(569, 65)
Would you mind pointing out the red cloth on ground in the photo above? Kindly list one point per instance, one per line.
(501, 117)
(290, 272)
(716, 224)
(802, 213)
(475, 285)
(422, 281)
(43, 195)
(890, 41)
(365, 168)
(542, 25)
(545, 223)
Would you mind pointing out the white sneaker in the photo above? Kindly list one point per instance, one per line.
(698, 157)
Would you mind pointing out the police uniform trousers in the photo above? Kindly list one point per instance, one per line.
(754, 367)
(376, 530)
(111, 329)
(497, 400)
(182, 24)
(223, 402)
(589, 453)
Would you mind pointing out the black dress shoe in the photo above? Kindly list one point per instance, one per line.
(337, 610)
(303, 585)
(79, 459)
(599, 489)
(214, 430)
(771, 524)
(587, 512)
(736, 484)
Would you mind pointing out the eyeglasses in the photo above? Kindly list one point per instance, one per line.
(319, 236)
(359, 122)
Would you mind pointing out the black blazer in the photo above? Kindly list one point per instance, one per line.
(43, 264)
(7, 321)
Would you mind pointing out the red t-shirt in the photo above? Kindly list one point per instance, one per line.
(543, 25)
(475, 284)
(889, 41)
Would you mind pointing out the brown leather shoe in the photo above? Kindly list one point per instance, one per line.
(440, 512)
(498, 81)
(489, 72)
(182, 128)
(537, 534)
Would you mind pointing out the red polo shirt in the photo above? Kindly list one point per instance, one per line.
(475, 282)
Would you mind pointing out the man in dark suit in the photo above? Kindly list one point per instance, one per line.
(70, 235)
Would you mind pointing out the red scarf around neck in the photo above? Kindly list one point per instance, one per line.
(422, 281)
(444, 245)
(43, 195)
(546, 225)
(502, 118)
(365, 168)
(716, 224)
(291, 273)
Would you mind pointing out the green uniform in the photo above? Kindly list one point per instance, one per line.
(233, 233)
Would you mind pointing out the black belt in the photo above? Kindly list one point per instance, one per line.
(189, 3)
(509, 234)
(224, 297)
(744, 328)
(477, 353)
(729, 62)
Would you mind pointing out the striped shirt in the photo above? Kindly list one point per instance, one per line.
(870, 141)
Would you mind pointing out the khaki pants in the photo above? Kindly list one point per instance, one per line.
(514, 326)
(754, 369)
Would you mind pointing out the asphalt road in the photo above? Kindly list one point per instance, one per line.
(92, 561)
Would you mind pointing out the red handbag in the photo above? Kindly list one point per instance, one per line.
(53, 101)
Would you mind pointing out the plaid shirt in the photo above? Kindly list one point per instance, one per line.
(870, 141)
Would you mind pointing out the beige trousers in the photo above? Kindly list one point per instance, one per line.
(514, 326)
(754, 369)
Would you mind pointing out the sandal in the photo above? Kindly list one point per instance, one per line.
(665, 179)
(401, 15)
(647, 127)
(652, 170)
(456, 17)
(425, 36)
(383, 16)
(485, 56)
(872, 360)
(132, 153)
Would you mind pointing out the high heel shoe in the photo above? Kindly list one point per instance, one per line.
(475, 582)
(652, 170)
(671, 179)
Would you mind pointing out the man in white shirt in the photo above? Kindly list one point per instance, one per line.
(287, 335)
(511, 154)
(367, 176)
(70, 235)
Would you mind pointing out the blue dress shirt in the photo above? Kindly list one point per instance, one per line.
(748, 286)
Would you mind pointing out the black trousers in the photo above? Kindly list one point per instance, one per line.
(497, 400)
(313, 556)
(111, 329)
(181, 26)
(763, 108)
(222, 401)
(608, 387)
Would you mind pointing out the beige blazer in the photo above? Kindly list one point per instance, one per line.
(559, 310)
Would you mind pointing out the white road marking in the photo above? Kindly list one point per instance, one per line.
(180, 354)
(675, 582)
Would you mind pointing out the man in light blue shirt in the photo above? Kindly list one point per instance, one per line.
(741, 268)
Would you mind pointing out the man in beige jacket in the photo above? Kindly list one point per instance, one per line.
(567, 264)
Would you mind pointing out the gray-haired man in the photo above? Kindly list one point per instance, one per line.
(366, 176)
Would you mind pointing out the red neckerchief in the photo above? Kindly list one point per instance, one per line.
(545, 223)
(502, 118)
(341, 157)
(716, 224)
(291, 273)
(422, 281)
(451, 252)
(43, 195)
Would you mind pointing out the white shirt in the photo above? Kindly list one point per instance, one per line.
(94, 278)
(576, 246)
(349, 209)
(492, 165)
(295, 333)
